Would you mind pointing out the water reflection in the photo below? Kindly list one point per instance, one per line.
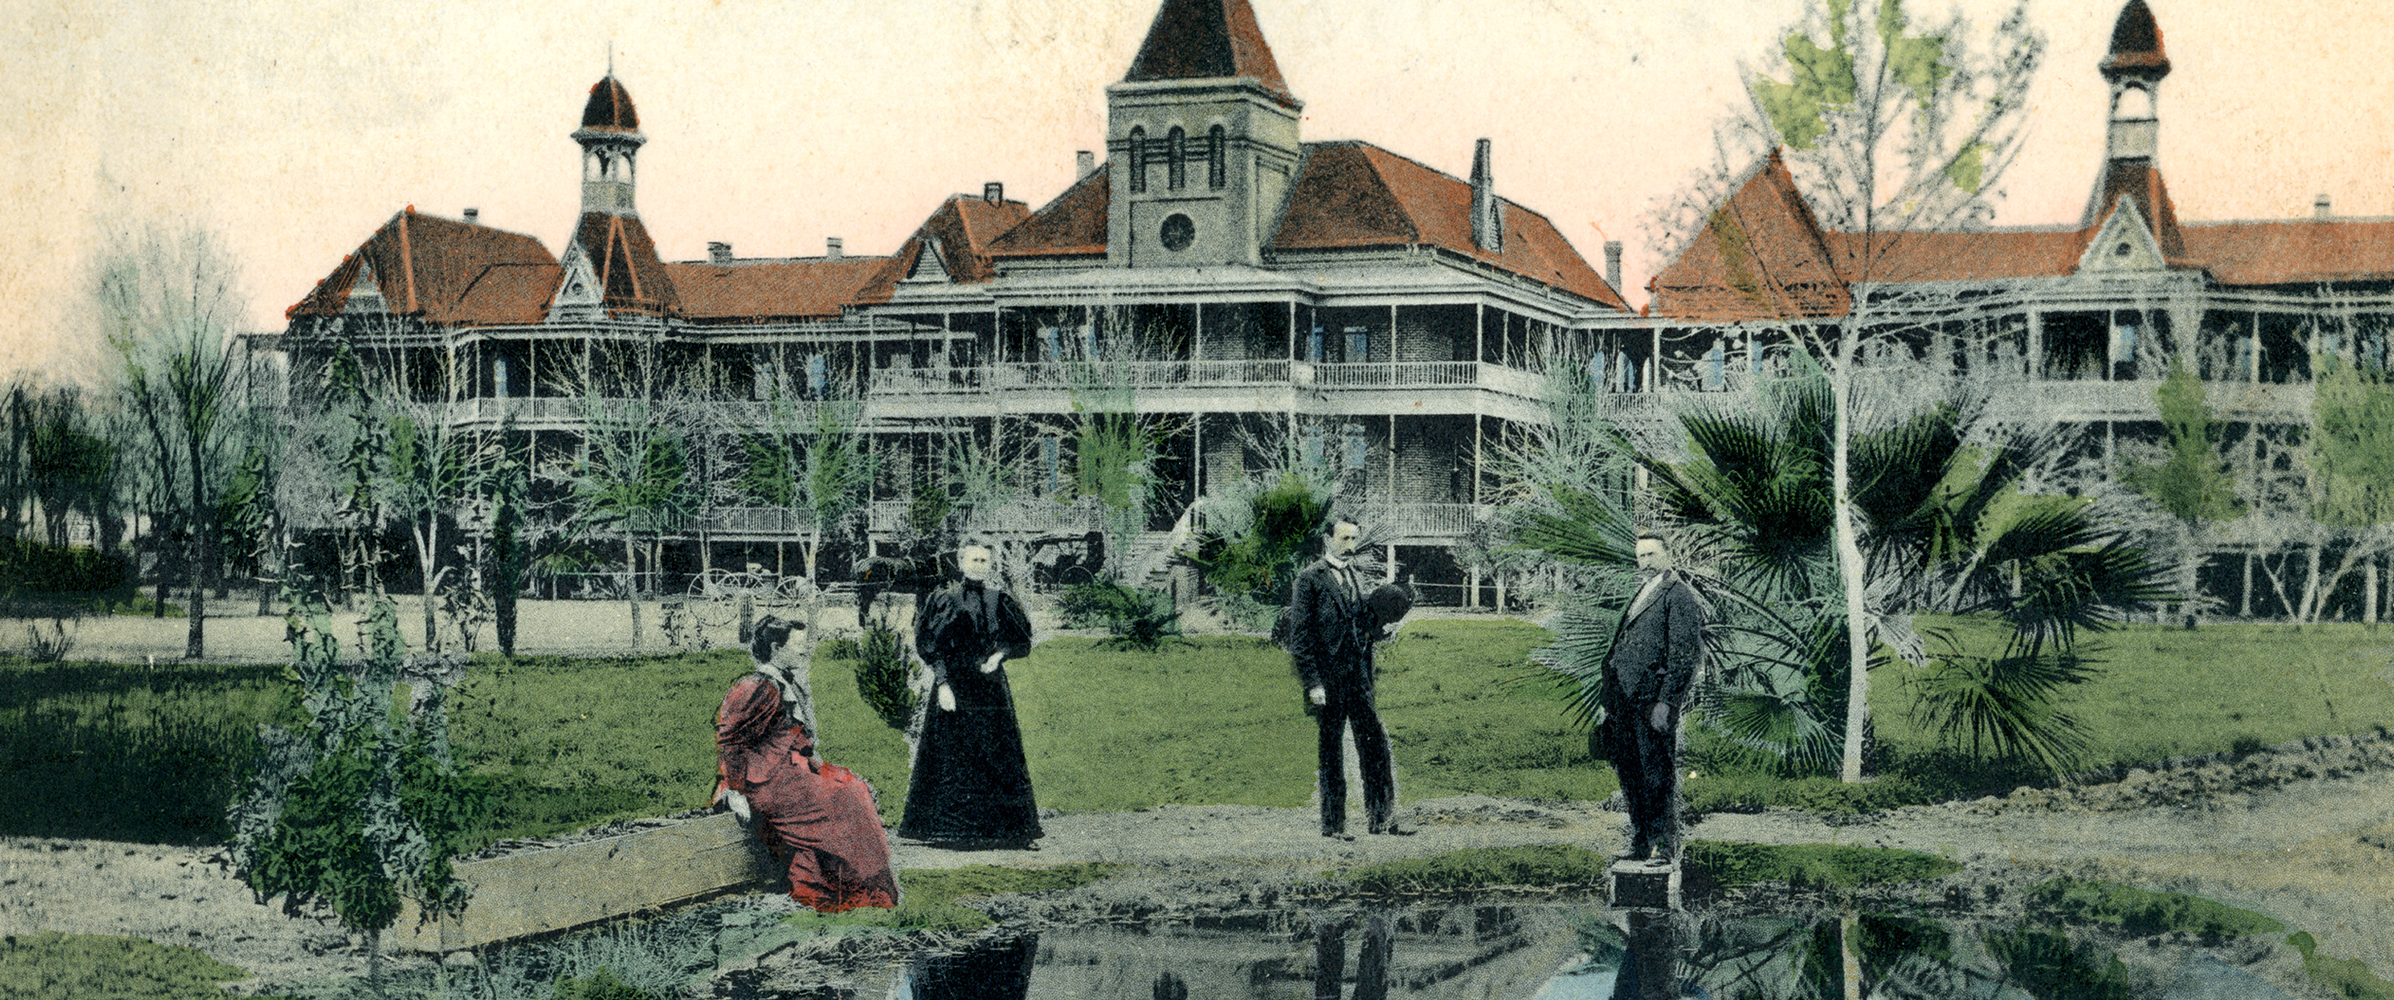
(999, 970)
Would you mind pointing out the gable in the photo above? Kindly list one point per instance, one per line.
(2124, 245)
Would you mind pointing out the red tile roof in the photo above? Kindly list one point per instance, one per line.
(610, 107)
(772, 290)
(1354, 194)
(445, 272)
(1207, 39)
(2294, 252)
(1762, 255)
(624, 260)
(1073, 225)
(961, 230)
(1989, 255)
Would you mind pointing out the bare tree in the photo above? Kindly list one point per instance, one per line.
(167, 304)
(434, 469)
(632, 479)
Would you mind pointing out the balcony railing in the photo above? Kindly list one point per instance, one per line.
(1209, 374)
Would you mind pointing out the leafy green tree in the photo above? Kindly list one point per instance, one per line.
(70, 463)
(2192, 484)
(2352, 449)
(1258, 532)
(361, 803)
(633, 479)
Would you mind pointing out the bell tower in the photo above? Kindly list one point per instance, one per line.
(611, 141)
(2134, 69)
(1202, 140)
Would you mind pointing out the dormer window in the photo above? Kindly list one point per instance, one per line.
(1176, 159)
(1217, 159)
(1138, 159)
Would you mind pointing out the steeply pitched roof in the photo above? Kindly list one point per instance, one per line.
(624, 260)
(2295, 251)
(2136, 44)
(610, 107)
(444, 272)
(1073, 225)
(772, 290)
(960, 231)
(1207, 39)
(1354, 194)
(1761, 255)
(2141, 181)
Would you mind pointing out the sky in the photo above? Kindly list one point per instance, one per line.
(294, 130)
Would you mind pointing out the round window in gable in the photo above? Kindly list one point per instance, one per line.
(1178, 232)
(2120, 251)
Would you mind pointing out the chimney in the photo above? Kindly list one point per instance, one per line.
(1487, 226)
(2319, 207)
(1084, 163)
(1612, 264)
(473, 214)
(831, 248)
(993, 192)
(719, 253)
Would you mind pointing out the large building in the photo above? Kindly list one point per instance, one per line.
(1258, 291)
(2091, 316)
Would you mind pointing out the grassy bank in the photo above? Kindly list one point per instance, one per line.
(151, 754)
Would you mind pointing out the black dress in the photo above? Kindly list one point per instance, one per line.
(971, 781)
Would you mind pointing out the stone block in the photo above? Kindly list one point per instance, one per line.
(1643, 885)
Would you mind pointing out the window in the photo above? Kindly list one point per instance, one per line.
(1359, 343)
(1628, 378)
(1313, 344)
(1596, 371)
(1049, 348)
(500, 372)
(1049, 463)
(1138, 159)
(1358, 451)
(1176, 159)
(1712, 367)
(1313, 446)
(1177, 232)
(1088, 343)
(1217, 159)
(818, 375)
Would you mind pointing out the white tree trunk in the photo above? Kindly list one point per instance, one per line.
(1849, 566)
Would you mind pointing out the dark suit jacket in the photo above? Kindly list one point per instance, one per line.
(1330, 630)
(1656, 654)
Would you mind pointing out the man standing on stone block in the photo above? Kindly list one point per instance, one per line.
(1648, 673)
(1332, 624)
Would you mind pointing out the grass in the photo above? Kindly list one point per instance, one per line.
(46, 965)
(2141, 911)
(2349, 977)
(151, 755)
(1713, 865)
(930, 896)
(124, 752)
(1479, 868)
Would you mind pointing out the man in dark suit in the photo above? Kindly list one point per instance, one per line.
(1331, 628)
(1652, 665)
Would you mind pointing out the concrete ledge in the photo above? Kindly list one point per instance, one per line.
(559, 888)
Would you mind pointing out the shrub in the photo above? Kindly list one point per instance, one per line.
(28, 566)
(47, 965)
(1136, 618)
(883, 673)
(2347, 976)
(600, 985)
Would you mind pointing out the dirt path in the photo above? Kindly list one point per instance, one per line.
(2305, 834)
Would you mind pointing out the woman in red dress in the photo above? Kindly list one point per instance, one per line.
(818, 817)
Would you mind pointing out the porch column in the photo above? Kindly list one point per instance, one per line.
(2036, 344)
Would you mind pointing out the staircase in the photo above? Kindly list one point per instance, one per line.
(1149, 560)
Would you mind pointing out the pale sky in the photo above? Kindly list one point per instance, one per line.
(295, 130)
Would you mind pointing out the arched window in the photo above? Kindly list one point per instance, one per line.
(1138, 159)
(1176, 159)
(1217, 159)
(2134, 104)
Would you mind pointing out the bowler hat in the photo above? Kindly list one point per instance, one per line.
(1389, 603)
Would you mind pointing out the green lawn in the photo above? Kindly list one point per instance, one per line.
(134, 753)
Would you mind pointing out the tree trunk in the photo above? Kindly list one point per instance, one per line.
(427, 554)
(195, 639)
(1852, 960)
(2369, 591)
(2312, 598)
(1849, 567)
(631, 586)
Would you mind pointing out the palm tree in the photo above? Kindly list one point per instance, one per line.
(1945, 528)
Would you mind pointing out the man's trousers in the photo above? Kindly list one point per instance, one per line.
(1648, 764)
(1371, 745)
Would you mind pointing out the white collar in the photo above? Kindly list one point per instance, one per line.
(1336, 562)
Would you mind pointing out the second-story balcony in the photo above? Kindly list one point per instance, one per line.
(1211, 385)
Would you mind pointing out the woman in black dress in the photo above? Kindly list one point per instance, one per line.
(972, 785)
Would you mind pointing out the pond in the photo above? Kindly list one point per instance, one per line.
(1538, 951)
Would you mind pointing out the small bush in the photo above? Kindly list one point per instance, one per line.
(842, 648)
(138, 604)
(600, 985)
(882, 675)
(27, 566)
(1541, 864)
(1136, 618)
(1714, 865)
(2143, 912)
